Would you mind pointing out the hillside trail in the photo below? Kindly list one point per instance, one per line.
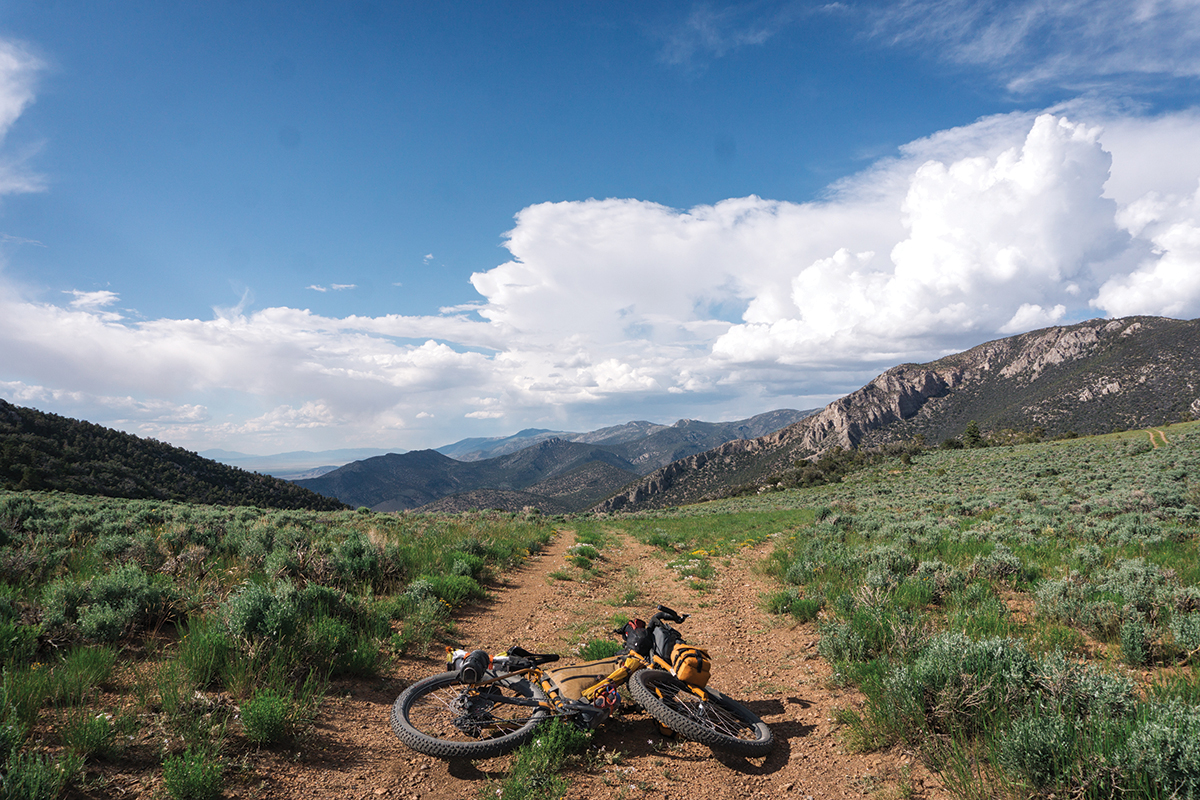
(770, 667)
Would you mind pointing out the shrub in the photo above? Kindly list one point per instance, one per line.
(799, 572)
(1086, 558)
(841, 642)
(424, 620)
(357, 561)
(1000, 564)
(195, 775)
(1138, 583)
(1082, 689)
(585, 551)
(360, 658)
(887, 565)
(204, 651)
(1075, 601)
(335, 646)
(467, 564)
(941, 578)
(38, 776)
(109, 606)
(1186, 630)
(15, 511)
(1039, 749)
(960, 684)
(1164, 749)
(265, 717)
(256, 612)
(791, 601)
(1135, 643)
(452, 589)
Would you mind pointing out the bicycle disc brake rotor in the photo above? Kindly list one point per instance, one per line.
(473, 712)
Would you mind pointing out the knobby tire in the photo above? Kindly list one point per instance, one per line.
(714, 720)
(424, 717)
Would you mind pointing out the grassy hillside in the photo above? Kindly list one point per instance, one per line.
(49, 452)
(1027, 618)
(142, 633)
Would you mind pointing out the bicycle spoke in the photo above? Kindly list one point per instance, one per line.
(685, 702)
(458, 713)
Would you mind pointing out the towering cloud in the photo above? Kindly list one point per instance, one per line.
(1011, 223)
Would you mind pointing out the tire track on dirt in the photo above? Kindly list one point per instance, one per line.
(771, 667)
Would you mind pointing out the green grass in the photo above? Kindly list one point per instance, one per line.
(535, 773)
(1024, 554)
(205, 602)
(1054, 553)
(597, 649)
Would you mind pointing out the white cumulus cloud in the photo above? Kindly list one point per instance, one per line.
(608, 309)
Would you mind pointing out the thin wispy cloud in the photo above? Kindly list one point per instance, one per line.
(92, 300)
(8, 238)
(1070, 43)
(19, 71)
(333, 287)
(710, 31)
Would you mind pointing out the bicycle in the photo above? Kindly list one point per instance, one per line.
(485, 706)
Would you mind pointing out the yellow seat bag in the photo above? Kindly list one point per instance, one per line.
(692, 665)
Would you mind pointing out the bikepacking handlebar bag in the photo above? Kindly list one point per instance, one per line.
(692, 665)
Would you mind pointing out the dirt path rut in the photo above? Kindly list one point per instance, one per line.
(770, 667)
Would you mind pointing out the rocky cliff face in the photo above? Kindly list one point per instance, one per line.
(1089, 378)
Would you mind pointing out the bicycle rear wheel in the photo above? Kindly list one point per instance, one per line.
(703, 715)
(442, 717)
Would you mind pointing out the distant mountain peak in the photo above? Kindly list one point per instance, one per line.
(572, 470)
(1090, 377)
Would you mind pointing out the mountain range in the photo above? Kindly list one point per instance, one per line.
(1092, 377)
(295, 464)
(560, 473)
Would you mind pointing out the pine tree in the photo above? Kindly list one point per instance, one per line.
(972, 437)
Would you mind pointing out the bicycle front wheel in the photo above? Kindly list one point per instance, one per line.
(702, 715)
(442, 717)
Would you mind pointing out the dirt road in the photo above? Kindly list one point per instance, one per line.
(771, 667)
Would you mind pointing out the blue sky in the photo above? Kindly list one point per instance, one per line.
(269, 227)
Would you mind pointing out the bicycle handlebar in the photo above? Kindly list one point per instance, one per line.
(668, 614)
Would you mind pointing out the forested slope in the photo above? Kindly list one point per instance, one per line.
(48, 452)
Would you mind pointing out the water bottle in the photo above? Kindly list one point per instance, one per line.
(474, 666)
